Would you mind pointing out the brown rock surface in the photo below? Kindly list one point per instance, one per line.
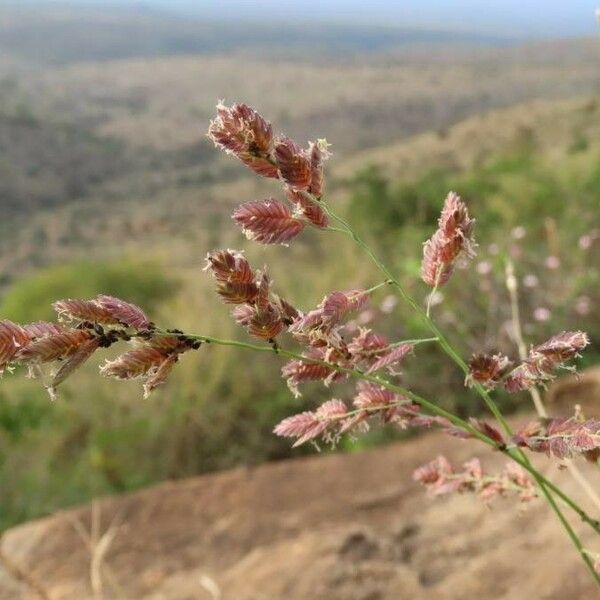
(330, 527)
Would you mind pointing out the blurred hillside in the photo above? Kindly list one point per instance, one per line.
(86, 114)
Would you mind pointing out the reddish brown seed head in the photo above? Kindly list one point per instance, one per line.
(239, 130)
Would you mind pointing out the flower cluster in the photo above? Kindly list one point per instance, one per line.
(537, 369)
(333, 418)
(562, 437)
(264, 314)
(83, 327)
(486, 369)
(151, 359)
(440, 478)
(453, 238)
(240, 131)
(323, 331)
(545, 359)
(330, 353)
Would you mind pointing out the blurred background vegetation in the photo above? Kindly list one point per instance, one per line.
(108, 185)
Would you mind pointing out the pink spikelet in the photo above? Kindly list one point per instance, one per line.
(562, 347)
(288, 312)
(236, 281)
(294, 164)
(454, 237)
(265, 324)
(126, 313)
(525, 376)
(78, 358)
(54, 346)
(134, 363)
(308, 426)
(40, 329)
(83, 310)
(308, 208)
(367, 345)
(266, 320)
(158, 375)
(391, 358)
(267, 221)
(303, 426)
(337, 305)
(486, 369)
(440, 478)
(264, 292)
(296, 372)
(434, 271)
(318, 154)
(237, 292)
(240, 131)
(243, 314)
(545, 359)
(435, 475)
(562, 438)
(12, 338)
(229, 266)
(372, 398)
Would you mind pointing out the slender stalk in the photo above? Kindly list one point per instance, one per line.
(414, 341)
(377, 287)
(431, 295)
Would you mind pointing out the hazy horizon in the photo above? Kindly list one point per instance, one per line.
(535, 19)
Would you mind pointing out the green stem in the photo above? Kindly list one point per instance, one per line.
(377, 286)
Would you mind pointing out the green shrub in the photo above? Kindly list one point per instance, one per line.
(30, 298)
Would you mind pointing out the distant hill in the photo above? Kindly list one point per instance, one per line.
(63, 35)
(552, 129)
(132, 129)
(178, 197)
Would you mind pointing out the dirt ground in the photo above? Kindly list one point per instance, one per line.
(330, 527)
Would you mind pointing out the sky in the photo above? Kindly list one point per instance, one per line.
(538, 18)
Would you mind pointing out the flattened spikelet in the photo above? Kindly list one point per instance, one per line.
(237, 292)
(54, 346)
(133, 363)
(124, 312)
(158, 376)
(294, 164)
(229, 266)
(265, 324)
(391, 358)
(12, 338)
(73, 363)
(42, 328)
(453, 237)
(240, 131)
(267, 221)
(83, 310)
